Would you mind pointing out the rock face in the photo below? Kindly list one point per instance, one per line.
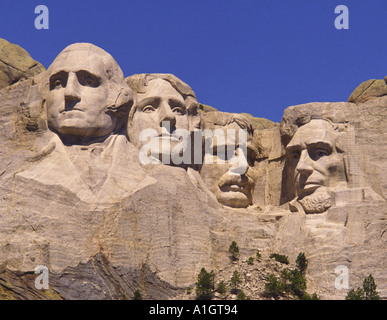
(16, 64)
(368, 90)
(101, 184)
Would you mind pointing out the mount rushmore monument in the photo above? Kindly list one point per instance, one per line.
(117, 183)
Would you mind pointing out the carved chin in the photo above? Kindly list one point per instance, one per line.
(317, 202)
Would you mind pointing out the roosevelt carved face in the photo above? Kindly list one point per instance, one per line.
(315, 163)
(162, 111)
(78, 95)
(228, 172)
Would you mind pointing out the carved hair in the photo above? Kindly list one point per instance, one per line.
(222, 119)
(289, 126)
(219, 119)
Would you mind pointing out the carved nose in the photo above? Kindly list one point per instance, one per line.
(304, 166)
(72, 88)
(167, 118)
(241, 165)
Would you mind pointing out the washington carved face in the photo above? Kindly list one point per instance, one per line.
(228, 172)
(314, 160)
(161, 109)
(78, 95)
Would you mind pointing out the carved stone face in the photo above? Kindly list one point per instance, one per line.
(78, 95)
(230, 179)
(163, 109)
(314, 161)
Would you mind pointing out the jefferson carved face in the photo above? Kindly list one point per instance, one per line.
(78, 95)
(314, 160)
(162, 109)
(230, 176)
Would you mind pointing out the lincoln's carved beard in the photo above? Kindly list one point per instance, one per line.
(317, 202)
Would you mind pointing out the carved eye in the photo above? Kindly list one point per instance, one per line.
(320, 153)
(58, 80)
(90, 81)
(178, 110)
(87, 79)
(57, 84)
(148, 109)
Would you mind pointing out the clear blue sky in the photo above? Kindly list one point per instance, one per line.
(254, 56)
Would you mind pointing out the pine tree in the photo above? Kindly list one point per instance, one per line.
(273, 287)
(355, 294)
(368, 292)
(222, 288)
(242, 296)
(294, 282)
(301, 262)
(234, 251)
(137, 295)
(279, 258)
(369, 288)
(235, 280)
(204, 284)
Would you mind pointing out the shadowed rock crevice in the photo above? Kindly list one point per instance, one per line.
(94, 280)
(99, 279)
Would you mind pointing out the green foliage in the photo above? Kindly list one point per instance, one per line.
(297, 283)
(258, 256)
(242, 296)
(314, 296)
(235, 280)
(273, 287)
(234, 251)
(204, 284)
(280, 258)
(291, 281)
(222, 288)
(250, 261)
(137, 295)
(189, 290)
(368, 292)
(301, 262)
(369, 287)
(355, 294)
(294, 281)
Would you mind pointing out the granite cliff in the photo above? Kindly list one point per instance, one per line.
(77, 198)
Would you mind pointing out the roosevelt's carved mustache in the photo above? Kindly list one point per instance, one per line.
(236, 179)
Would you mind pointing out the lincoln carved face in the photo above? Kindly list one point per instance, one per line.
(80, 92)
(315, 163)
(228, 170)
